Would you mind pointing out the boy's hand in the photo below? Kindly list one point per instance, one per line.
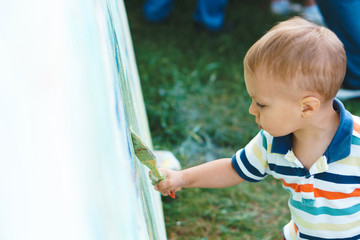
(173, 181)
(215, 174)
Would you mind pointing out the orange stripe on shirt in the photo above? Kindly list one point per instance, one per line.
(296, 228)
(321, 193)
(336, 195)
(357, 127)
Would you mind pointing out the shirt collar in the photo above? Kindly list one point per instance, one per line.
(340, 145)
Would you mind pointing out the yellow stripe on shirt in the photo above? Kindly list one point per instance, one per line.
(351, 161)
(325, 226)
(258, 154)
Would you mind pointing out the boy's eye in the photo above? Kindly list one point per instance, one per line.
(260, 105)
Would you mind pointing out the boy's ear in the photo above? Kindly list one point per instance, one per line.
(309, 106)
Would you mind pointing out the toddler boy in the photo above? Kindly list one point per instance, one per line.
(307, 139)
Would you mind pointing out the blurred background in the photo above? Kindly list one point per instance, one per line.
(197, 107)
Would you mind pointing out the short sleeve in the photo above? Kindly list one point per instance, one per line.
(251, 162)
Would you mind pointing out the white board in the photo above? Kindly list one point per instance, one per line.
(69, 93)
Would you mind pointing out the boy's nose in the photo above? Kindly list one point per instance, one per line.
(252, 110)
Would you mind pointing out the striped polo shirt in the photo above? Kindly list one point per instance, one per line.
(324, 200)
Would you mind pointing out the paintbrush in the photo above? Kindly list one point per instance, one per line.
(147, 157)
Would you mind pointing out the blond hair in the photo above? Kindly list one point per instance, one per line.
(302, 54)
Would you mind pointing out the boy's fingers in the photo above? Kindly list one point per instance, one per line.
(165, 193)
(154, 180)
(162, 188)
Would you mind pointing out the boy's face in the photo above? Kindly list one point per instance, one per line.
(274, 105)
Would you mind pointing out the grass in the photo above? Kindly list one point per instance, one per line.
(197, 107)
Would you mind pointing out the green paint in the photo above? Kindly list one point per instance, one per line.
(146, 157)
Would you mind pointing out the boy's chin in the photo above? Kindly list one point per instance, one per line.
(277, 134)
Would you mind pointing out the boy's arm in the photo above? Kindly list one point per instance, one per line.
(216, 174)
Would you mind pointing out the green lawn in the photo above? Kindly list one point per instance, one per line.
(197, 107)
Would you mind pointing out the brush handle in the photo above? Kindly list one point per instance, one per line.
(172, 194)
(146, 157)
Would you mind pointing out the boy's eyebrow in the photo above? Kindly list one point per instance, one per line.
(259, 99)
(253, 97)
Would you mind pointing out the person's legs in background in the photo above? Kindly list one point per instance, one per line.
(343, 18)
(210, 14)
(308, 9)
(311, 12)
(157, 10)
(284, 7)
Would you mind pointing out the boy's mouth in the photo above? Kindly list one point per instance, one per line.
(258, 124)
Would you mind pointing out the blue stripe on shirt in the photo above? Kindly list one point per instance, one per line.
(355, 140)
(264, 141)
(288, 171)
(238, 170)
(336, 178)
(247, 165)
(253, 170)
(325, 176)
(304, 236)
(325, 210)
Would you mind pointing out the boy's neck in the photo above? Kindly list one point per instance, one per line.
(325, 121)
(316, 135)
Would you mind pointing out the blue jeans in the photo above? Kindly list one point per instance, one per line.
(210, 13)
(343, 18)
